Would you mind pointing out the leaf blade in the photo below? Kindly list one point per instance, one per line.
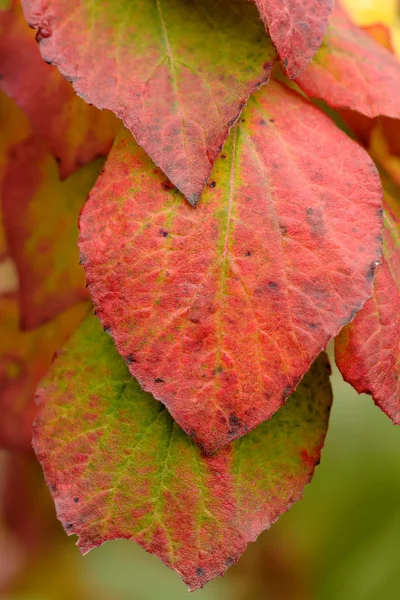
(126, 469)
(153, 65)
(352, 71)
(230, 303)
(296, 29)
(367, 350)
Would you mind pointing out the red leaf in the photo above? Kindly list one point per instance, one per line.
(229, 304)
(351, 70)
(367, 351)
(74, 132)
(119, 467)
(177, 73)
(296, 28)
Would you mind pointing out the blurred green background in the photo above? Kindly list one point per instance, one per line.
(341, 542)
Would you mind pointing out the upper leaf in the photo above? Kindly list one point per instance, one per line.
(296, 28)
(75, 133)
(228, 304)
(119, 467)
(368, 350)
(178, 73)
(351, 70)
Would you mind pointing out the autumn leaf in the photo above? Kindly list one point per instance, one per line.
(75, 133)
(118, 466)
(228, 304)
(40, 216)
(177, 73)
(368, 350)
(24, 359)
(296, 28)
(352, 71)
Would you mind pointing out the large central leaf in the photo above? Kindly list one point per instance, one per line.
(220, 310)
(178, 73)
(119, 467)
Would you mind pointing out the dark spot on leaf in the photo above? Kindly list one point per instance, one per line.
(263, 122)
(218, 370)
(234, 424)
(69, 526)
(229, 561)
(199, 572)
(312, 325)
(212, 184)
(58, 159)
(371, 271)
(286, 392)
(159, 380)
(53, 488)
(76, 500)
(248, 253)
(273, 285)
(107, 330)
(163, 233)
(167, 185)
(267, 65)
(130, 359)
(379, 212)
(223, 155)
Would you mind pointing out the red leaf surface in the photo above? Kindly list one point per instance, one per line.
(118, 466)
(351, 70)
(368, 350)
(74, 132)
(228, 304)
(296, 28)
(177, 73)
(24, 359)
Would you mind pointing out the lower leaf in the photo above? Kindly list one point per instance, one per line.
(118, 466)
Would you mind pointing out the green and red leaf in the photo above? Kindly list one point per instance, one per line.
(353, 71)
(368, 350)
(227, 305)
(118, 466)
(177, 73)
(74, 132)
(296, 28)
